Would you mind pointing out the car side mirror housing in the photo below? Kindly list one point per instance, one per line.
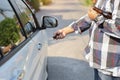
(49, 22)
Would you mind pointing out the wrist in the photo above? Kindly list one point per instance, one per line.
(67, 30)
(63, 32)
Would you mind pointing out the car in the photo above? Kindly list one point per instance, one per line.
(23, 42)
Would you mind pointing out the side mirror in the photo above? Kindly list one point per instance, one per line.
(49, 22)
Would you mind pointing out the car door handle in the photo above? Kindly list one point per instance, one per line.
(39, 46)
(18, 75)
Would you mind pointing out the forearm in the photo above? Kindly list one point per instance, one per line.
(80, 25)
(68, 30)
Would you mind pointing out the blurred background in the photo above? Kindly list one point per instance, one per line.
(37, 3)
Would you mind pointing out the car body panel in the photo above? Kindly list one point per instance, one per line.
(29, 59)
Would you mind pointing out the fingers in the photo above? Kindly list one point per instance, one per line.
(59, 35)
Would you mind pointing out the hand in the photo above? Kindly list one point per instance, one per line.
(92, 14)
(60, 34)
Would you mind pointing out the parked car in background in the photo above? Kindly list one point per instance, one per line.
(23, 42)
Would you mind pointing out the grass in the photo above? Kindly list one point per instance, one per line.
(86, 2)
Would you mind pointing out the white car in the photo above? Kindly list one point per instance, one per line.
(23, 42)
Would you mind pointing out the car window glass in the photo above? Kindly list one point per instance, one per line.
(26, 17)
(10, 29)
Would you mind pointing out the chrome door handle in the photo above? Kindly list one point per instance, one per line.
(39, 46)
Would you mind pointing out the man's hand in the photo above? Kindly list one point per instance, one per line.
(60, 34)
(92, 14)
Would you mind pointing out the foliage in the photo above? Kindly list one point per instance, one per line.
(35, 4)
(8, 32)
(24, 18)
(88, 2)
(46, 2)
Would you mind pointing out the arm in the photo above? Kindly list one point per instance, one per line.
(80, 25)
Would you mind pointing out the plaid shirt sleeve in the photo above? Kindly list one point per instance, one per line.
(112, 27)
(82, 24)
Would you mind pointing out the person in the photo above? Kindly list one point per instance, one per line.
(103, 49)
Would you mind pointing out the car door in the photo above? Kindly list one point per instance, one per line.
(26, 58)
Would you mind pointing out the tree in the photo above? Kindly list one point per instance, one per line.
(8, 32)
(35, 4)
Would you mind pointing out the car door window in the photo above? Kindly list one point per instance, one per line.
(10, 29)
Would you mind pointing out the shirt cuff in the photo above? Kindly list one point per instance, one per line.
(81, 25)
(99, 19)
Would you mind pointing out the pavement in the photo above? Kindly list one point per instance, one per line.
(65, 57)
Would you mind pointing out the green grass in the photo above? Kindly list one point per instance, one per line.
(86, 2)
